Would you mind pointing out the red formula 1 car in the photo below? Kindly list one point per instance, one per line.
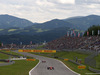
(43, 61)
(50, 68)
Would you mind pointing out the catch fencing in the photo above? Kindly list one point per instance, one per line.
(90, 60)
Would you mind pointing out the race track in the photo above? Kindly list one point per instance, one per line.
(41, 68)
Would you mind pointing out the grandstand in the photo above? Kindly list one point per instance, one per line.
(86, 42)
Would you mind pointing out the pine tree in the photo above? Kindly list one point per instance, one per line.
(93, 28)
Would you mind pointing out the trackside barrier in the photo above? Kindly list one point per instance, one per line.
(3, 60)
(38, 51)
(61, 58)
(18, 59)
(70, 61)
(74, 62)
(94, 70)
(4, 64)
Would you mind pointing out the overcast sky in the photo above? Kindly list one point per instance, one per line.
(45, 10)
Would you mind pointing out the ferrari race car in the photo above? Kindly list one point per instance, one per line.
(50, 68)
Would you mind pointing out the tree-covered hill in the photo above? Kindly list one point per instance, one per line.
(40, 37)
(37, 28)
(7, 21)
(84, 22)
(93, 30)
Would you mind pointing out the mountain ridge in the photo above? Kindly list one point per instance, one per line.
(7, 21)
(83, 23)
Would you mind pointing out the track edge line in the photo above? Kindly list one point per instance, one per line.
(68, 67)
(34, 68)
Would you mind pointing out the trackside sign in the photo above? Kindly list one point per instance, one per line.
(81, 67)
(30, 59)
(66, 59)
(38, 51)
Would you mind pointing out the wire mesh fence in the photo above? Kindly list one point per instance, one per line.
(90, 60)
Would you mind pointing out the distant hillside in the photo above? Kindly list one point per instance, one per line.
(49, 25)
(36, 28)
(39, 37)
(55, 23)
(7, 21)
(78, 22)
(85, 22)
(73, 17)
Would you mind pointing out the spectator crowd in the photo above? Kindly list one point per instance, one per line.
(86, 42)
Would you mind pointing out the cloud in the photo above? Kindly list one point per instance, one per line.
(67, 1)
(44, 10)
(44, 3)
(87, 1)
(93, 6)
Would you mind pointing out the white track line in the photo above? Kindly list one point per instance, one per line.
(68, 67)
(34, 68)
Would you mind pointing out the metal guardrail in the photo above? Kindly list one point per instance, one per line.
(75, 62)
(4, 60)
(94, 70)
(9, 63)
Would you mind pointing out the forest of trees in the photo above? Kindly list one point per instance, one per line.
(93, 30)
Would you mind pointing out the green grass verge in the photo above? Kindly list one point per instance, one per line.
(21, 67)
(74, 67)
(13, 53)
(2, 62)
(4, 56)
(10, 52)
(39, 47)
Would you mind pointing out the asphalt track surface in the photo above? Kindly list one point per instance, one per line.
(41, 68)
